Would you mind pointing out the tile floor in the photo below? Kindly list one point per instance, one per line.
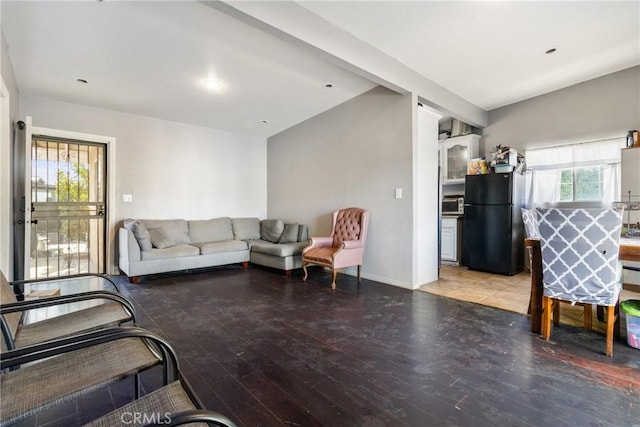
(505, 292)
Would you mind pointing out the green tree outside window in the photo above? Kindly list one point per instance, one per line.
(581, 184)
(73, 186)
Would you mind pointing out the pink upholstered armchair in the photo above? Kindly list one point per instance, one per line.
(344, 247)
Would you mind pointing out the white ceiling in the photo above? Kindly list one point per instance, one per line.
(492, 53)
(151, 58)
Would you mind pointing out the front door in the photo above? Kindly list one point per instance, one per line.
(66, 234)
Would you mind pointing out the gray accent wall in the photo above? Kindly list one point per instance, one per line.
(599, 108)
(604, 107)
(353, 155)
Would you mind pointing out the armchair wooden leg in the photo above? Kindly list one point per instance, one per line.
(334, 273)
(359, 272)
(304, 268)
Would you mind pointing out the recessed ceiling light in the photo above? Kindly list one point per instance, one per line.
(328, 85)
(213, 84)
(549, 51)
(264, 122)
(83, 81)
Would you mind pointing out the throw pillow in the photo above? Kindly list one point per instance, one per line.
(159, 238)
(246, 228)
(290, 234)
(141, 233)
(271, 229)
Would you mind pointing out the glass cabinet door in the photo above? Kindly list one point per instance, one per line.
(457, 156)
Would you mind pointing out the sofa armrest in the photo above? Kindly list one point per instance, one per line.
(318, 242)
(352, 244)
(129, 250)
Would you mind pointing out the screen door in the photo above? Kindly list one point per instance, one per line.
(67, 227)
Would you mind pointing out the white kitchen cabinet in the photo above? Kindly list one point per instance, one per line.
(455, 154)
(630, 179)
(630, 182)
(451, 240)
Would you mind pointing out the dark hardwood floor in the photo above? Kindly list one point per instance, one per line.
(269, 350)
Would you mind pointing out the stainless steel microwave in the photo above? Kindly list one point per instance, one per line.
(453, 206)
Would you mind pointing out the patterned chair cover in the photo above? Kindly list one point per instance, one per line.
(530, 223)
(580, 254)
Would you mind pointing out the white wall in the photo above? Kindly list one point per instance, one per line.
(426, 198)
(355, 154)
(172, 170)
(9, 114)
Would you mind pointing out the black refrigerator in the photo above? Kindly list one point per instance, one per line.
(493, 237)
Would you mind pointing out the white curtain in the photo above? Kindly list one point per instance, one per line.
(544, 166)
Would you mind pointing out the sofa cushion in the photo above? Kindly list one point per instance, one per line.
(289, 234)
(210, 230)
(176, 251)
(303, 233)
(159, 238)
(323, 254)
(141, 233)
(177, 229)
(222, 246)
(271, 229)
(277, 249)
(246, 228)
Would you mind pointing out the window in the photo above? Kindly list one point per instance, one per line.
(581, 184)
(585, 174)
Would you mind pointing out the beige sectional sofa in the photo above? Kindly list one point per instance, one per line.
(148, 246)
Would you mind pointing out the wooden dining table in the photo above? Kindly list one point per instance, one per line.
(629, 251)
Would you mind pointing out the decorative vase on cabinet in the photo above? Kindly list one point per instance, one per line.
(455, 155)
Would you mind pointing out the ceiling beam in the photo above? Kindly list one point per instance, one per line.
(295, 24)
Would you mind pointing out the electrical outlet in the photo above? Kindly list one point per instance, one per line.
(127, 198)
(398, 193)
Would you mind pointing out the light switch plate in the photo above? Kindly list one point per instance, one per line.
(398, 193)
(127, 198)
